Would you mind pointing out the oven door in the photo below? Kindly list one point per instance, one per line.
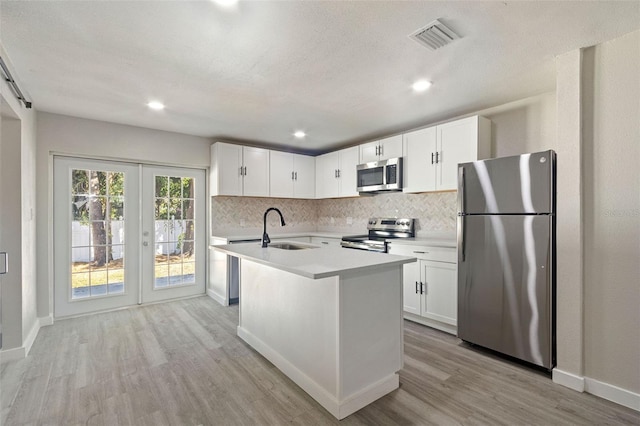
(370, 177)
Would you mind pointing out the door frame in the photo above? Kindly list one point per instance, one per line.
(50, 210)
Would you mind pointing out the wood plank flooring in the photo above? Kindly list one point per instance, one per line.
(181, 363)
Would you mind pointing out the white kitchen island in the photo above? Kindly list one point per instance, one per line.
(328, 318)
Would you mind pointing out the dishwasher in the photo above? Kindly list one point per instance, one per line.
(234, 271)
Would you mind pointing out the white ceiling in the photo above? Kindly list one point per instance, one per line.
(340, 70)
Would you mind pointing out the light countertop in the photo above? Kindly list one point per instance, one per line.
(257, 235)
(426, 241)
(447, 240)
(317, 262)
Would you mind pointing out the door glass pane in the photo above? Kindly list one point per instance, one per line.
(97, 233)
(174, 231)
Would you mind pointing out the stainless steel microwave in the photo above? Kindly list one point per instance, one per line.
(380, 176)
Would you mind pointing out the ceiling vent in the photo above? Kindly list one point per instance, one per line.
(434, 36)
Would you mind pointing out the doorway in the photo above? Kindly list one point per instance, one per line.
(125, 234)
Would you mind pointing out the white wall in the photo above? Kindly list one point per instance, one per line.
(17, 148)
(527, 125)
(611, 185)
(11, 232)
(569, 329)
(74, 136)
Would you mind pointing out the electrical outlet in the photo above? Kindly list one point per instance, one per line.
(242, 223)
(349, 220)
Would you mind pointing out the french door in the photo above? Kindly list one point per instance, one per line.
(125, 234)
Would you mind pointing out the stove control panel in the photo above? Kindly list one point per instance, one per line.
(391, 224)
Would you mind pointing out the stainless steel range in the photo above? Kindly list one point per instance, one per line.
(381, 229)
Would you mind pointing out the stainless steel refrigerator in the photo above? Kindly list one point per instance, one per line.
(506, 255)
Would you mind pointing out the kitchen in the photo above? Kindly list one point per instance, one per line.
(550, 120)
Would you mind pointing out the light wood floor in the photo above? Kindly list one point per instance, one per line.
(181, 363)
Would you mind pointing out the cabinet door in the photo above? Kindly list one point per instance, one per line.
(411, 287)
(457, 143)
(226, 160)
(347, 176)
(304, 183)
(256, 178)
(368, 152)
(441, 291)
(390, 147)
(418, 167)
(281, 174)
(327, 183)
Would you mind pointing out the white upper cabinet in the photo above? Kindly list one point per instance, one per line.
(419, 171)
(291, 175)
(239, 170)
(432, 155)
(336, 174)
(383, 149)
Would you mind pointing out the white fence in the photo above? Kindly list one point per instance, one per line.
(167, 233)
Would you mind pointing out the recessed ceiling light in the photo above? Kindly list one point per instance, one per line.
(226, 3)
(299, 134)
(158, 106)
(421, 85)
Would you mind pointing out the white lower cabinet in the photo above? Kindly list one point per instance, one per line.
(430, 287)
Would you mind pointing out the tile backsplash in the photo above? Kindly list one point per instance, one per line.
(436, 212)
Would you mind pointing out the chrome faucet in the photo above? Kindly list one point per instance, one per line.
(265, 236)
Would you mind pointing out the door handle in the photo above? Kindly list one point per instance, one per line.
(377, 150)
(437, 154)
(338, 172)
(245, 170)
(416, 287)
(381, 150)
(461, 215)
(145, 243)
(296, 175)
(432, 158)
(423, 285)
(4, 266)
(291, 175)
(241, 171)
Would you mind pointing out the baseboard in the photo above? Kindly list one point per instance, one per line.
(215, 296)
(447, 328)
(22, 351)
(31, 337)
(13, 354)
(612, 393)
(597, 388)
(44, 321)
(339, 408)
(568, 380)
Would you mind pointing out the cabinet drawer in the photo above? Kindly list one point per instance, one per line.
(436, 254)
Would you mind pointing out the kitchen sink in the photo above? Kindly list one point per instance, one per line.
(291, 246)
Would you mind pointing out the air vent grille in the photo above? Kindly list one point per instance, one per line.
(435, 35)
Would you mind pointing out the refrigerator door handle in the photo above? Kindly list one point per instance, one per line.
(461, 215)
